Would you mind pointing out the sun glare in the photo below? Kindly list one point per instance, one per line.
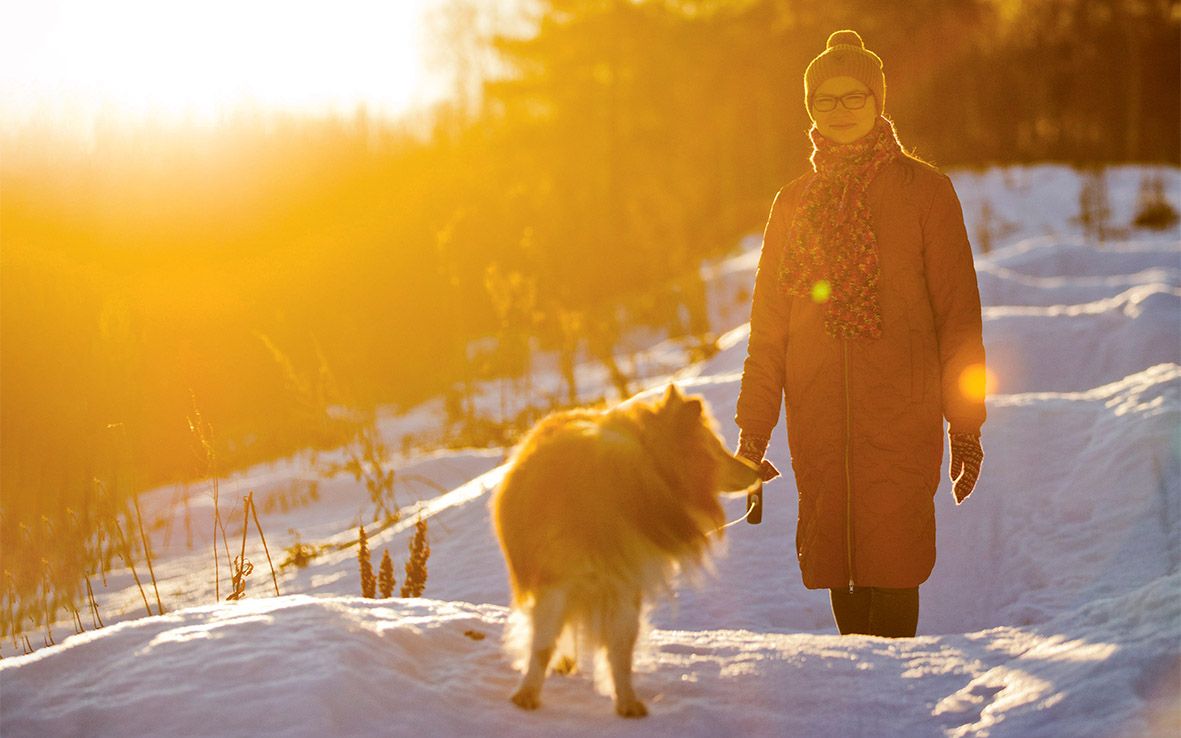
(143, 58)
(977, 381)
(821, 291)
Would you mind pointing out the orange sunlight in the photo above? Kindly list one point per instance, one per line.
(821, 291)
(977, 381)
(136, 59)
(236, 233)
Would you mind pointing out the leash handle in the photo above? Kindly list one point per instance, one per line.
(754, 500)
(754, 505)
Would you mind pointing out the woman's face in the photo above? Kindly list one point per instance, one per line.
(840, 124)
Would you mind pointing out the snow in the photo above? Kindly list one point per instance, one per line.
(1054, 608)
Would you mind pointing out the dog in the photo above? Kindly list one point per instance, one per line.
(597, 513)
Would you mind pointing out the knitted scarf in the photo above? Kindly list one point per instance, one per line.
(831, 241)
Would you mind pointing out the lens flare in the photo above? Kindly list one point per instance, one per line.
(977, 381)
(821, 291)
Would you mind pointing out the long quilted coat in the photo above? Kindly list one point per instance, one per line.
(865, 416)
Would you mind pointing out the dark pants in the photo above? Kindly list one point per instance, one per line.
(878, 611)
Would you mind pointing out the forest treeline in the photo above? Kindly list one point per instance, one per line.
(272, 274)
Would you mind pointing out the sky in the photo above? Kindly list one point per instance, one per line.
(68, 61)
(1053, 609)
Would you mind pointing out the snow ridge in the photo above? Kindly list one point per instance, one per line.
(1054, 609)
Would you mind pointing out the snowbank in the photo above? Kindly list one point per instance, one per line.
(1054, 609)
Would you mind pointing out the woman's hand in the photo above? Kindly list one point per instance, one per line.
(752, 448)
(966, 456)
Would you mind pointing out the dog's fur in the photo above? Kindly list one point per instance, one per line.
(599, 509)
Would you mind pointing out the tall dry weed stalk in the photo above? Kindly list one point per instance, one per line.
(263, 538)
(366, 460)
(96, 619)
(385, 575)
(129, 560)
(123, 545)
(11, 626)
(203, 431)
(147, 552)
(420, 551)
(368, 583)
(45, 587)
(45, 565)
(242, 566)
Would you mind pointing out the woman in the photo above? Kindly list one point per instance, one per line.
(866, 325)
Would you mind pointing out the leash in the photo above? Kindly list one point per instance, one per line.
(754, 502)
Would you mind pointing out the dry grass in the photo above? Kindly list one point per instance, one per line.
(263, 538)
(242, 566)
(420, 551)
(368, 582)
(147, 554)
(385, 575)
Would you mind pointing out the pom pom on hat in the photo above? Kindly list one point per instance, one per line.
(845, 55)
(845, 37)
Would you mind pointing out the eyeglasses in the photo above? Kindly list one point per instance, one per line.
(852, 101)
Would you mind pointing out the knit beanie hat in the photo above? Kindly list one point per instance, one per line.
(845, 55)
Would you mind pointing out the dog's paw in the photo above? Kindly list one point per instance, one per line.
(630, 708)
(526, 699)
(565, 665)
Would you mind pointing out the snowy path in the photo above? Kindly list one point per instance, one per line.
(1054, 609)
(300, 665)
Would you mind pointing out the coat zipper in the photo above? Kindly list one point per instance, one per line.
(848, 470)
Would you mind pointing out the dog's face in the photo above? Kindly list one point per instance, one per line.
(698, 447)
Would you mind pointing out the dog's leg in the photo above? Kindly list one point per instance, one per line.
(566, 661)
(549, 612)
(622, 630)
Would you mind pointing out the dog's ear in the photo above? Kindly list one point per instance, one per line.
(680, 408)
(672, 396)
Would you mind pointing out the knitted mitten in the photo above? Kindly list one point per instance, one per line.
(752, 448)
(966, 455)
